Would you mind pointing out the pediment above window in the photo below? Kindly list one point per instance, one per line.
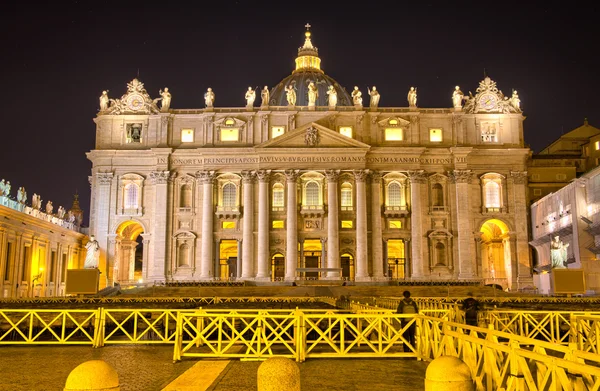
(440, 234)
(438, 178)
(185, 235)
(393, 122)
(229, 122)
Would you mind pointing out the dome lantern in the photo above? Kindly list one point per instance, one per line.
(308, 55)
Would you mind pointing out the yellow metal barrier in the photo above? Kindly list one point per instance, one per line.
(44, 327)
(244, 335)
(504, 361)
(130, 326)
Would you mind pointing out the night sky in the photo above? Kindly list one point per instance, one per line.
(57, 58)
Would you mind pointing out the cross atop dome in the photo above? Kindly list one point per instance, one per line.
(308, 55)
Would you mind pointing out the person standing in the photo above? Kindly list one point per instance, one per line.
(471, 308)
(408, 306)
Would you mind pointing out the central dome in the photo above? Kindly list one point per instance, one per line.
(308, 69)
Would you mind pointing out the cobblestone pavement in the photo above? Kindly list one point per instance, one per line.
(46, 368)
(335, 375)
(150, 368)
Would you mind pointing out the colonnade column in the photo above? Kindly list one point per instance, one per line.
(102, 184)
(291, 253)
(523, 262)
(417, 179)
(362, 267)
(248, 178)
(333, 235)
(462, 180)
(206, 251)
(263, 224)
(156, 270)
(376, 236)
(238, 263)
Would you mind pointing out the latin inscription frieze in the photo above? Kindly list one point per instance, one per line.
(313, 159)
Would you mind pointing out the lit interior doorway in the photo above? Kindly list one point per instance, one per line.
(129, 253)
(228, 252)
(277, 267)
(312, 256)
(395, 255)
(347, 267)
(495, 253)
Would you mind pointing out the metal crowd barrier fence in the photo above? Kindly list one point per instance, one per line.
(504, 361)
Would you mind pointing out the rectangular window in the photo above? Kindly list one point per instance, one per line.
(435, 135)
(64, 267)
(597, 145)
(278, 224)
(231, 134)
(187, 135)
(489, 132)
(393, 134)
(277, 131)
(347, 224)
(134, 133)
(7, 261)
(395, 224)
(52, 266)
(537, 192)
(346, 131)
(25, 262)
(228, 224)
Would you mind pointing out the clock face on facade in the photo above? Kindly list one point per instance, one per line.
(135, 102)
(488, 101)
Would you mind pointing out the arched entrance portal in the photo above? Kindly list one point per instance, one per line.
(129, 263)
(496, 253)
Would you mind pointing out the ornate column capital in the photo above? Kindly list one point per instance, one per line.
(376, 176)
(360, 175)
(417, 176)
(292, 175)
(248, 176)
(104, 178)
(460, 176)
(159, 177)
(206, 176)
(519, 177)
(332, 175)
(263, 175)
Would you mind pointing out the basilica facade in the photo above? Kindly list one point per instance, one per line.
(311, 184)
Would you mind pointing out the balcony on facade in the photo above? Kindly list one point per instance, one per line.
(228, 212)
(395, 211)
(312, 210)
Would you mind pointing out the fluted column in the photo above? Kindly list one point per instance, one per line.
(263, 224)
(462, 179)
(519, 204)
(333, 223)
(248, 178)
(376, 235)
(155, 267)
(362, 267)
(291, 254)
(419, 263)
(206, 251)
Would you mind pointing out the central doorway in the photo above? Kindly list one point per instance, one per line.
(228, 253)
(312, 251)
(396, 260)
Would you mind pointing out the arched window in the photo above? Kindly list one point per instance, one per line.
(312, 194)
(185, 198)
(440, 254)
(229, 195)
(346, 196)
(437, 195)
(492, 195)
(278, 200)
(131, 196)
(395, 196)
(184, 255)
